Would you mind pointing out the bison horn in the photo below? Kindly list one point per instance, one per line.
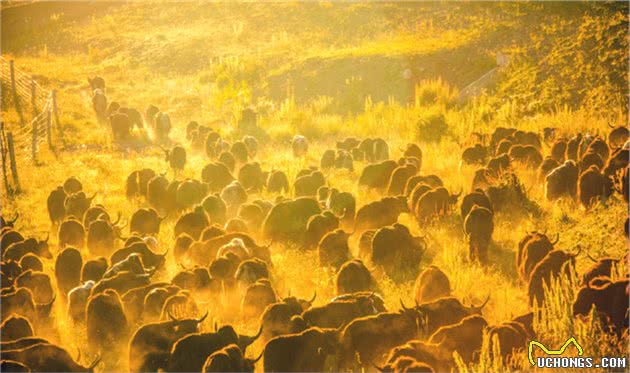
(47, 237)
(314, 296)
(170, 315)
(269, 244)
(199, 321)
(93, 195)
(480, 307)
(591, 258)
(216, 325)
(555, 241)
(165, 252)
(255, 337)
(610, 125)
(576, 254)
(380, 369)
(49, 304)
(259, 357)
(94, 363)
(117, 219)
(402, 304)
(17, 215)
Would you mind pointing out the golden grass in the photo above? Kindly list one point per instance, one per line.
(217, 63)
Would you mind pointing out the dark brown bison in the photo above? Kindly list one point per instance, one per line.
(548, 164)
(498, 165)
(317, 226)
(478, 227)
(380, 213)
(562, 181)
(99, 104)
(476, 154)
(600, 268)
(251, 176)
(589, 159)
(353, 277)
(333, 249)
(149, 258)
(377, 175)
(342, 204)
(93, 269)
(434, 203)
(192, 223)
(17, 250)
(189, 353)
(136, 183)
(307, 185)
(558, 151)
(399, 177)
(618, 136)
(145, 221)
(593, 185)
(512, 339)
(432, 283)
(77, 203)
(68, 266)
(302, 352)
(339, 312)
(217, 176)
(465, 337)
(476, 197)
(106, 322)
(277, 317)
(46, 357)
(277, 182)
(229, 359)
(532, 249)
(328, 159)
(369, 337)
(288, 219)
(556, 264)
(56, 205)
(397, 251)
(176, 158)
(16, 327)
(120, 125)
(610, 301)
(150, 345)
(618, 160)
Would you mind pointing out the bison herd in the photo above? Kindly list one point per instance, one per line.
(113, 279)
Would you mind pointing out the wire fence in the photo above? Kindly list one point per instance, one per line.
(23, 139)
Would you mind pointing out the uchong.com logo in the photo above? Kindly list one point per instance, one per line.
(554, 358)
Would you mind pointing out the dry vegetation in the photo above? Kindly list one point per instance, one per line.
(327, 71)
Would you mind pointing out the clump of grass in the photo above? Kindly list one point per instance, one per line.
(431, 126)
(435, 91)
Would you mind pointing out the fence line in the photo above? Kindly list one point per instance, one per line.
(24, 140)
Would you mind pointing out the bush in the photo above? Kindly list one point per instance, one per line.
(431, 127)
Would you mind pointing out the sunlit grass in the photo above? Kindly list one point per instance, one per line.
(217, 62)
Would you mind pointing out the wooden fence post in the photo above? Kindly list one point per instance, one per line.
(3, 153)
(34, 97)
(16, 180)
(34, 142)
(16, 100)
(53, 94)
(49, 128)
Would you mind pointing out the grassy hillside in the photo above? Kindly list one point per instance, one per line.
(329, 70)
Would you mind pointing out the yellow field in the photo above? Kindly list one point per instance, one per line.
(327, 71)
